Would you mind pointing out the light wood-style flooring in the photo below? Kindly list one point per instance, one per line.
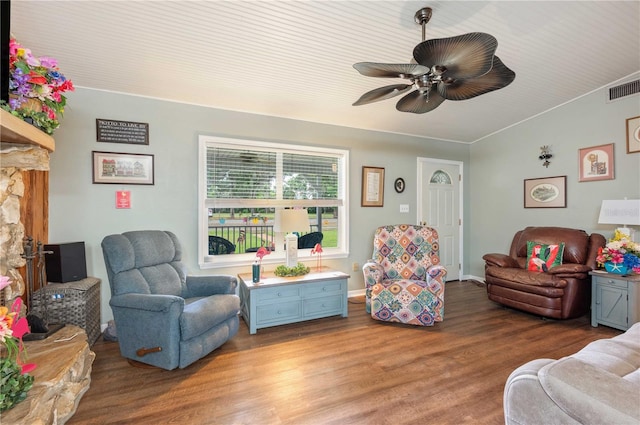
(342, 370)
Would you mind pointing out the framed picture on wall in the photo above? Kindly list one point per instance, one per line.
(596, 163)
(633, 135)
(545, 192)
(122, 168)
(372, 187)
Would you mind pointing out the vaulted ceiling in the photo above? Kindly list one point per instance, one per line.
(294, 58)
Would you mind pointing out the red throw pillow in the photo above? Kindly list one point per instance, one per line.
(541, 257)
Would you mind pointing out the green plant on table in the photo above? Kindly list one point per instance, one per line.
(299, 270)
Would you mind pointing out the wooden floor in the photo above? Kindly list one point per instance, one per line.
(342, 370)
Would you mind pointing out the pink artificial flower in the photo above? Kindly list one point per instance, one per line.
(48, 62)
(26, 368)
(4, 282)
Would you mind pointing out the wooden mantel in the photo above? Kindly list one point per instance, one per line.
(14, 130)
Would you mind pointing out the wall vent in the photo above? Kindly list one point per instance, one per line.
(623, 90)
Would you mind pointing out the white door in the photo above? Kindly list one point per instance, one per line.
(439, 206)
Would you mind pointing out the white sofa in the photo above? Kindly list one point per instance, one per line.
(599, 384)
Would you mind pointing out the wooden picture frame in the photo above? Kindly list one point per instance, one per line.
(545, 192)
(122, 168)
(372, 187)
(633, 135)
(596, 163)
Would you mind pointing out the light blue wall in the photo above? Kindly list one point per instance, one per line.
(500, 163)
(82, 211)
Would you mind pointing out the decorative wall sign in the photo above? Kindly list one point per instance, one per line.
(546, 192)
(112, 131)
(122, 168)
(596, 163)
(398, 185)
(123, 199)
(372, 187)
(633, 135)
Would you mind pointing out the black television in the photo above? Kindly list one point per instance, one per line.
(5, 33)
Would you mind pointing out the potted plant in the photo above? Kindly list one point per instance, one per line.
(36, 88)
(15, 380)
(620, 255)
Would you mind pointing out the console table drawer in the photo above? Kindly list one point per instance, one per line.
(618, 283)
(279, 312)
(273, 294)
(323, 305)
(331, 287)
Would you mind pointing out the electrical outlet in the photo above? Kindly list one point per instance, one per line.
(355, 267)
(404, 208)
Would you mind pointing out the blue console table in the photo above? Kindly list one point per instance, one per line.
(281, 300)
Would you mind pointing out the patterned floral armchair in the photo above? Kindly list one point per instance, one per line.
(405, 281)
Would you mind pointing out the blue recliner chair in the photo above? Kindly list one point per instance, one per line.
(164, 317)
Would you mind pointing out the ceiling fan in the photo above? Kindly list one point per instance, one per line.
(455, 68)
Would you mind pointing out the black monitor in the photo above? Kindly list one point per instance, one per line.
(5, 32)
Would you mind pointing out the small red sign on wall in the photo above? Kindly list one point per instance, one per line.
(123, 199)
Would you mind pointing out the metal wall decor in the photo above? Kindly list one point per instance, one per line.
(545, 155)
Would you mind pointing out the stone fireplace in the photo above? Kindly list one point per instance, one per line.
(23, 150)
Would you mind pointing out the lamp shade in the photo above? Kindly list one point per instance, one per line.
(291, 220)
(625, 212)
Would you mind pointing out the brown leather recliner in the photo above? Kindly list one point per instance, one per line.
(562, 292)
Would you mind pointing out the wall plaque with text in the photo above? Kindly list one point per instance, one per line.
(112, 131)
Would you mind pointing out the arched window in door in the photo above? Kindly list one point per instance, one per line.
(440, 177)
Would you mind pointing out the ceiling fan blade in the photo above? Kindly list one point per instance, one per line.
(461, 57)
(382, 93)
(500, 76)
(390, 70)
(419, 103)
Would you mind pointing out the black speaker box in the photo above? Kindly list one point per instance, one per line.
(67, 263)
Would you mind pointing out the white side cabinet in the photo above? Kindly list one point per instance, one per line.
(615, 300)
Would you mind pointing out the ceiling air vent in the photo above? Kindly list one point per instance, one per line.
(623, 90)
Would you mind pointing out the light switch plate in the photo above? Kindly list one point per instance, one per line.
(404, 208)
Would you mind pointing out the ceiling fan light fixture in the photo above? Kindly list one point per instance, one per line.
(454, 68)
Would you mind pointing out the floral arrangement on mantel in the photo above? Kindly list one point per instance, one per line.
(15, 380)
(35, 88)
(622, 252)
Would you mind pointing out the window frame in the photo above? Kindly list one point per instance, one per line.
(207, 261)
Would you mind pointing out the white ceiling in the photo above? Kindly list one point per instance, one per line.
(294, 58)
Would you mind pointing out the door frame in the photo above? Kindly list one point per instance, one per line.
(420, 191)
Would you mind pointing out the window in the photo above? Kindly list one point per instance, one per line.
(243, 183)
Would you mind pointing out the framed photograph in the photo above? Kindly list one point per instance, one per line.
(545, 192)
(596, 163)
(122, 168)
(372, 187)
(633, 135)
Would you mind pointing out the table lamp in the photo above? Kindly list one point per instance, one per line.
(625, 212)
(289, 221)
